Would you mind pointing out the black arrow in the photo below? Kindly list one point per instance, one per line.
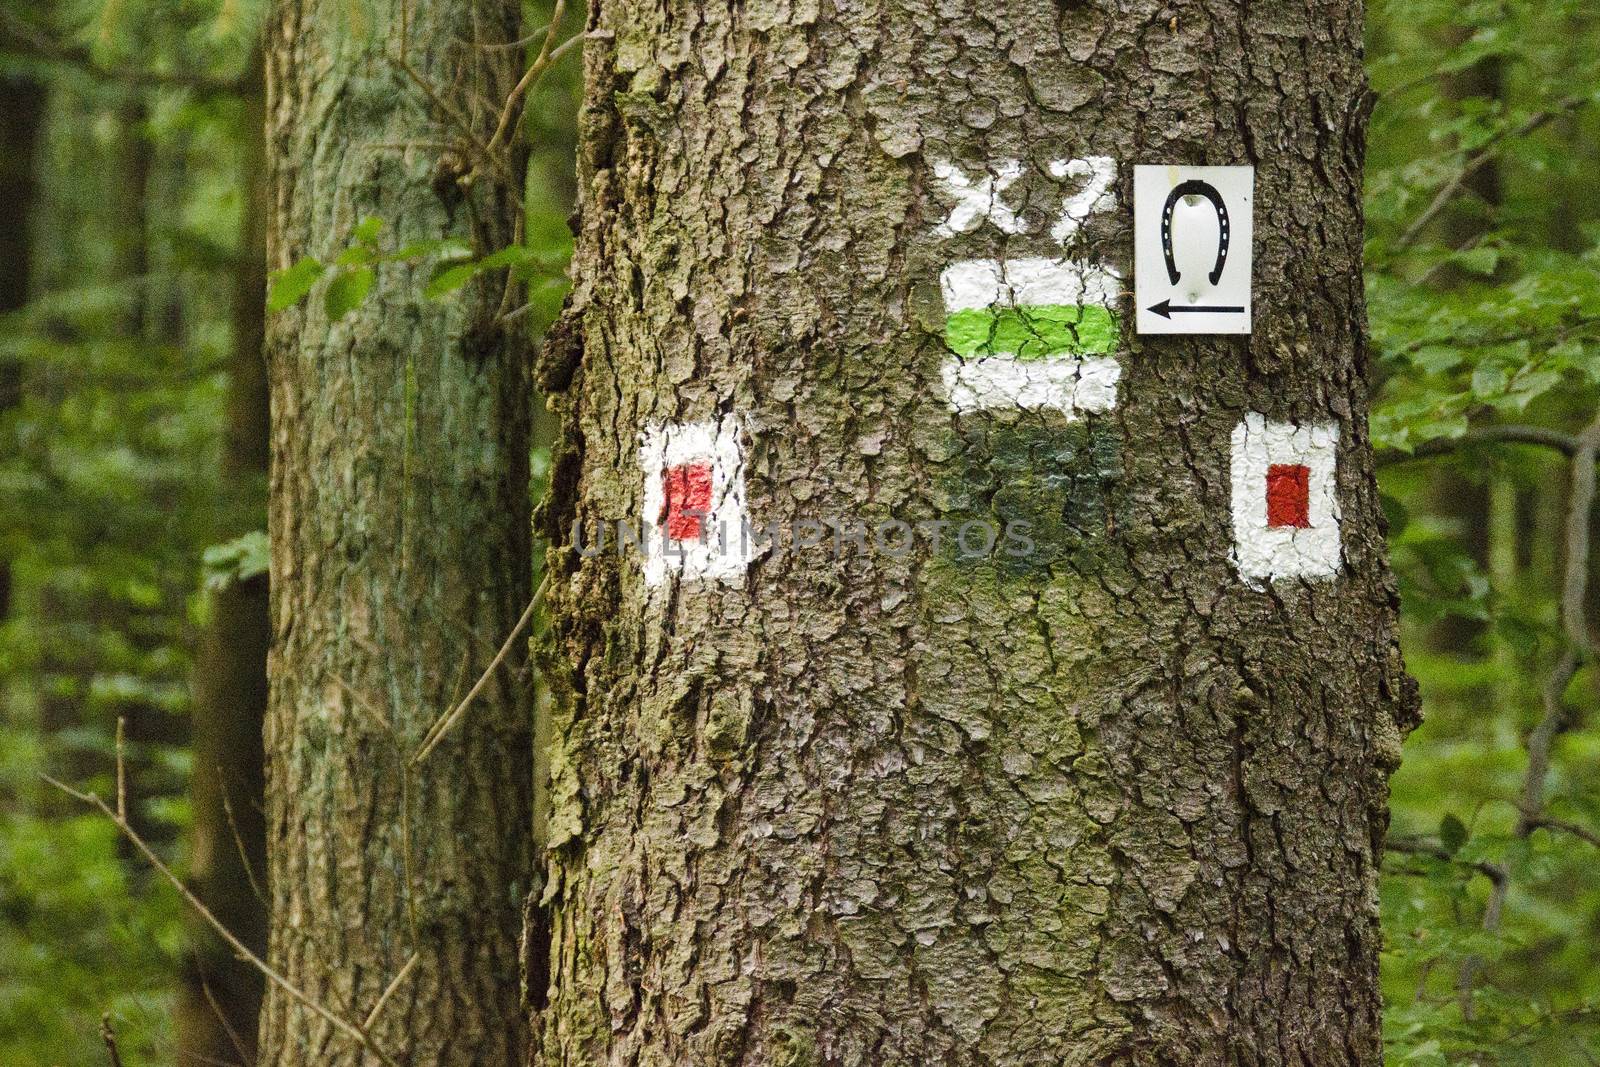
(1166, 310)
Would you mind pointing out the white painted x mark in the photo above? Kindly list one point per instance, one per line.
(978, 200)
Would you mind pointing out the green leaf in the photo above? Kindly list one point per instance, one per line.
(289, 287)
(1479, 260)
(1489, 379)
(446, 248)
(450, 277)
(357, 256)
(511, 256)
(1452, 833)
(367, 229)
(238, 560)
(347, 292)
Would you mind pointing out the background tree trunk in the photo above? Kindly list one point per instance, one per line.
(221, 995)
(22, 103)
(400, 545)
(1105, 804)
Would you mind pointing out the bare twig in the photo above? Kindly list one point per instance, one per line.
(222, 1017)
(109, 1036)
(122, 778)
(443, 724)
(1492, 912)
(1495, 873)
(372, 710)
(519, 43)
(238, 838)
(1499, 884)
(239, 947)
(543, 60)
(515, 314)
(1555, 334)
(1480, 159)
(460, 121)
(1557, 717)
(388, 991)
(1582, 833)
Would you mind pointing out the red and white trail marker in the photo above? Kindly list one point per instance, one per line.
(694, 506)
(1285, 501)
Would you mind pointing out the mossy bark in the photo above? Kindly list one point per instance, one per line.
(400, 545)
(1107, 803)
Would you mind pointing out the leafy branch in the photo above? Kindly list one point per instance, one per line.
(18, 37)
(353, 273)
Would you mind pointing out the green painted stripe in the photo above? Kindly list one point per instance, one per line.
(1033, 332)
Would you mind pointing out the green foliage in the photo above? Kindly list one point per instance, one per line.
(239, 560)
(539, 264)
(1489, 313)
(108, 494)
(290, 286)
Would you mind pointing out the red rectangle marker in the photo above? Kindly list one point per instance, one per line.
(1289, 495)
(687, 500)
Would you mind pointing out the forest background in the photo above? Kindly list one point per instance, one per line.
(132, 503)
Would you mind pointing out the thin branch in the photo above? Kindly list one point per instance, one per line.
(1492, 912)
(222, 1017)
(455, 117)
(1499, 884)
(239, 947)
(238, 838)
(514, 315)
(531, 75)
(1582, 833)
(1485, 155)
(18, 37)
(1555, 333)
(1565, 443)
(520, 43)
(443, 724)
(1574, 626)
(378, 717)
(122, 778)
(388, 991)
(1495, 873)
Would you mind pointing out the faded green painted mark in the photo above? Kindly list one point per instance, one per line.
(1033, 332)
(1061, 480)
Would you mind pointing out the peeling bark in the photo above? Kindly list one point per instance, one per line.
(1107, 803)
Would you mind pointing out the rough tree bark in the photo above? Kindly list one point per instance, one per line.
(1105, 803)
(220, 1000)
(400, 545)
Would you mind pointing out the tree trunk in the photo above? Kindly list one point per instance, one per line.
(21, 117)
(221, 994)
(400, 546)
(1102, 802)
(137, 207)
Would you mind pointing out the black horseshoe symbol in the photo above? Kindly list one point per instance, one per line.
(1194, 188)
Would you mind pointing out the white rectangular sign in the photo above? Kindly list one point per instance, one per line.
(1192, 236)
